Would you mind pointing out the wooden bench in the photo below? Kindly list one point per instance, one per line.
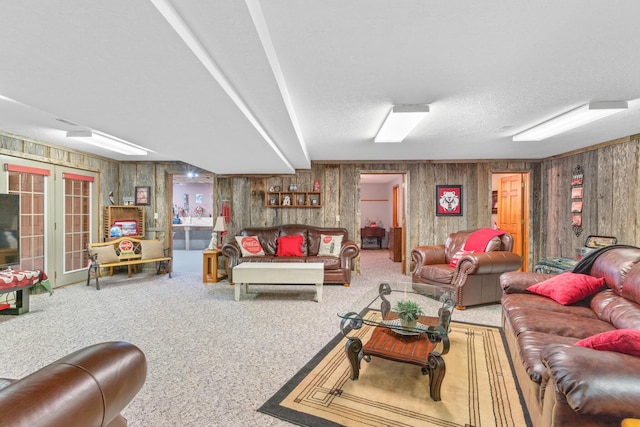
(126, 251)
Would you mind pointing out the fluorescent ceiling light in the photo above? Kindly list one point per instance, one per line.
(402, 119)
(572, 119)
(107, 142)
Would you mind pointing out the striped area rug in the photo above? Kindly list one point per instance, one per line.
(479, 388)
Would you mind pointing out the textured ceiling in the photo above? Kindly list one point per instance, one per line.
(236, 87)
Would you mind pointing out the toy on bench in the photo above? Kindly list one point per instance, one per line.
(126, 251)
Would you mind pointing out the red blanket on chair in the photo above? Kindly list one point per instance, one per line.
(478, 240)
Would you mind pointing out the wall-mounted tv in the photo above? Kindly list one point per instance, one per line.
(9, 230)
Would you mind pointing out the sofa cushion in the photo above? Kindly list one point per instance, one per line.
(625, 341)
(290, 246)
(250, 246)
(106, 254)
(330, 262)
(440, 273)
(568, 288)
(617, 310)
(330, 245)
(549, 322)
(528, 301)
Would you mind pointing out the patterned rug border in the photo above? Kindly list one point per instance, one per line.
(272, 406)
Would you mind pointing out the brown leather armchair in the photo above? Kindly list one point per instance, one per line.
(475, 278)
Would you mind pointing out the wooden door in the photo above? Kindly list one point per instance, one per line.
(512, 212)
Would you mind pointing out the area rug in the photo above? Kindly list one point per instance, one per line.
(479, 388)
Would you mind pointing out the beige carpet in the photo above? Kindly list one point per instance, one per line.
(478, 389)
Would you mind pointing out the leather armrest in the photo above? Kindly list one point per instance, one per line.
(517, 282)
(89, 387)
(232, 251)
(426, 255)
(599, 383)
(488, 262)
(348, 251)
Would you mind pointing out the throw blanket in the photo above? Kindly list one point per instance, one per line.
(478, 240)
(584, 265)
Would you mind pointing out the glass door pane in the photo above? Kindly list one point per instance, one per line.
(31, 189)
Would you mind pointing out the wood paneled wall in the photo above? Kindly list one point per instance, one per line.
(611, 197)
(340, 184)
(611, 193)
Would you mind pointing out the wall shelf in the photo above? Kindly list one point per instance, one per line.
(123, 213)
(297, 199)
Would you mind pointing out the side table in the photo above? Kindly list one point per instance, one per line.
(210, 266)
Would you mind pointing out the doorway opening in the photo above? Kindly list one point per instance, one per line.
(510, 209)
(383, 215)
(192, 213)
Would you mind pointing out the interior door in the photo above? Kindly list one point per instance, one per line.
(512, 212)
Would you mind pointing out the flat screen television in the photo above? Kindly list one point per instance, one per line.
(9, 230)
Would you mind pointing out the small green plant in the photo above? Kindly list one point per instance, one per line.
(408, 310)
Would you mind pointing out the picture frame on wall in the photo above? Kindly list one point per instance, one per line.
(448, 200)
(143, 195)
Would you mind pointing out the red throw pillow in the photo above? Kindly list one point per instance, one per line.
(290, 245)
(567, 288)
(625, 341)
(456, 257)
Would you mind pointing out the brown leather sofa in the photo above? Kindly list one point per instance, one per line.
(336, 269)
(476, 277)
(86, 388)
(567, 385)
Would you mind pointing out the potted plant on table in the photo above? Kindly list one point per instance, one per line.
(408, 312)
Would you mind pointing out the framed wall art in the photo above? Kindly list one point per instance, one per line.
(448, 200)
(143, 195)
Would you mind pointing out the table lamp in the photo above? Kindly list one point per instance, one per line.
(220, 225)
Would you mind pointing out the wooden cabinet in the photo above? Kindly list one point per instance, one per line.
(125, 217)
(293, 199)
(395, 244)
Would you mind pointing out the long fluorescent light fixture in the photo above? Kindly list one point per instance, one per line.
(572, 119)
(402, 119)
(107, 142)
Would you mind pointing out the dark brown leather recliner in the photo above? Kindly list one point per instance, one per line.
(476, 278)
(86, 388)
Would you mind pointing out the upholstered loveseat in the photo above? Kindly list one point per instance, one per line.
(309, 247)
(475, 277)
(577, 363)
(86, 388)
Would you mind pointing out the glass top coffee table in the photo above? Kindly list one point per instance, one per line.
(393, 338)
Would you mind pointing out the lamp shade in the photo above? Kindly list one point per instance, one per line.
(220, 224)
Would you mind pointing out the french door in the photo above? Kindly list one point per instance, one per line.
(58, 216)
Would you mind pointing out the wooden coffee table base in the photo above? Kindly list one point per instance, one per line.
(414, 349)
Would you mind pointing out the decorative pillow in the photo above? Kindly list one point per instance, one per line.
(456, 257)
(625, 341)
(151, 249)
(290, 245)
(106, 254)
(250, 246)
(330, 245)
(567, 288)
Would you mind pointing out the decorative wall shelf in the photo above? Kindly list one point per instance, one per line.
(293, 199)
(123, 213)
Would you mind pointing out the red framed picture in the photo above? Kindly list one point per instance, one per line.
(448, 200)
(128, 227)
